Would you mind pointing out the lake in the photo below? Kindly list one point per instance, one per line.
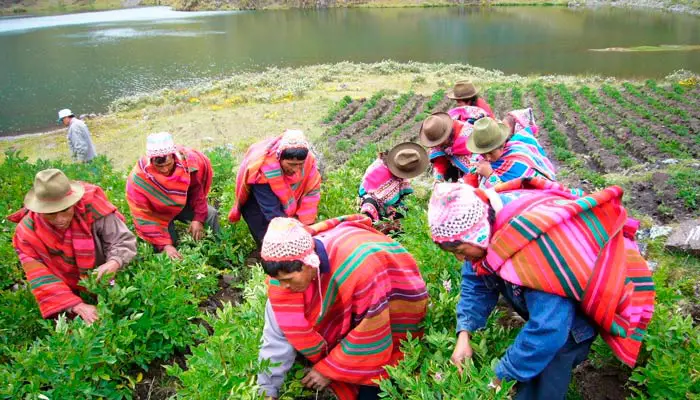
(85, 61)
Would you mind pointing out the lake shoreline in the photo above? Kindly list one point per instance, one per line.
(22, 11)
(243, 108)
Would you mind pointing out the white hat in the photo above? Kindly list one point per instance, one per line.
(160, 144)
(64, 113)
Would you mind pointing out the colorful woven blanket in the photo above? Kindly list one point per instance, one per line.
(299, 194)
(55, 261)
(455, 152)
(577, 247)
(371, 298)
(382, 186)
(468, 114)
(523, 157)
(156, 199)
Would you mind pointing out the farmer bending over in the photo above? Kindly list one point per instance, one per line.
(344, 296)
(567, 265)
(66, 230)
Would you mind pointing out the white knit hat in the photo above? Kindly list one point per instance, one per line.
(288, 240)
(160, 144)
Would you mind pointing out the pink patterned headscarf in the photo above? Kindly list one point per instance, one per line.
(288, 240)
(292, 139)
(457, 214)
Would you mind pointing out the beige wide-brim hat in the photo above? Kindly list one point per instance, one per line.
(488, 135)
(463, 90)
(52, 192)
(407, 160)
(436, 129)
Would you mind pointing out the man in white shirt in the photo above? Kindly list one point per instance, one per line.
(79, 140)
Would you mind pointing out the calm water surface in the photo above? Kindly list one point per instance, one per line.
(85, 61)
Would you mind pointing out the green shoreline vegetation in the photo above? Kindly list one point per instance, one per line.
(52, 7)
(247, 106)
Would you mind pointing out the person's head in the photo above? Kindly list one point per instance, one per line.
(488, 138)
(54, 197)
(165, 165)
(470, 101)
(65, 116)
(292, 275)
(460, 220)
(292, 150)
(464, 93)
(288, 254)
(436, 130)
(161, 152)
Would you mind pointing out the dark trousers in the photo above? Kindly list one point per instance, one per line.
(256, 220)
(553, 382)
(186, 216)
(368, 393)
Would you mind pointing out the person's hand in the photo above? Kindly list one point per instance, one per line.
(196, 229)
(484, 169)
(462, 351)
(315, 380)
(87, 312)
(110, 267)
(172, 252)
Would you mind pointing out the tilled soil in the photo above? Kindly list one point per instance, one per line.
(607, 383)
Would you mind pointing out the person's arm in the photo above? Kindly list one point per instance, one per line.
(307, 211)
(117, 240)
(440, 165)
(269, 203)
(277, 349)
(196, 198)
(51, 293)
(476, 301)
(544, 334)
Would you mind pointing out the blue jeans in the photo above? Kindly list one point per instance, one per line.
(553, 382)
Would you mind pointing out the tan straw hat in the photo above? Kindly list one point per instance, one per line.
(463, 90)
(407, 160)
(436, 129)
(488, 135)
(52, 192)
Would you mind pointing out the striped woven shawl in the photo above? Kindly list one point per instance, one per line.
(156, 199)
(55, 261)
(298, 194)
(371, 298)
(578, 247)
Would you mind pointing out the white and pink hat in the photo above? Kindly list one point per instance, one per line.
(288, 240)
(160, 144)
(457, 214)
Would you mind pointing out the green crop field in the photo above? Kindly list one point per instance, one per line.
(205, 330)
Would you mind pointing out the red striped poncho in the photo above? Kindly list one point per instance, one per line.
(577, 247)
(55, 261)
(155, 199)
(299, 194)
(371, 298)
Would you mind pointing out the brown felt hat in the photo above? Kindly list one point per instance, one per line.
(463, 90)
(488, 135)
(436, 129)
(407, 160)
(52, 192)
